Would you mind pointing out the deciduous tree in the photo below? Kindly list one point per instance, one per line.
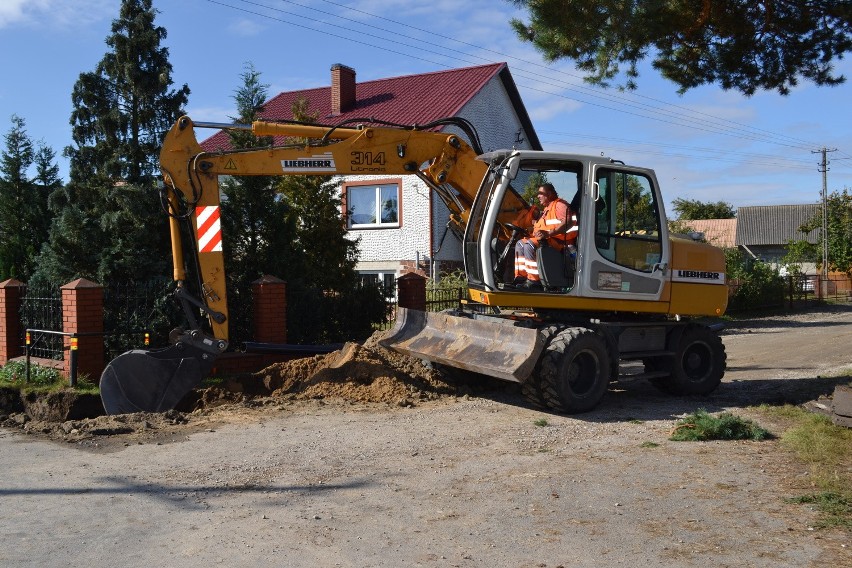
(692, 209)
(839, 228)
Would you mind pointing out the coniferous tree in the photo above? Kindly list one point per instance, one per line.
(257, 227)
(327, 257)
(737, 44)
(109, 223)
(24, 218)
(286, 226)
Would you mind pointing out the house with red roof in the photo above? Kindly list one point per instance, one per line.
(417, 238)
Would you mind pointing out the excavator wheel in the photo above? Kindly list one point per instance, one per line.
(531, 387)
(697, 366)
(574, 370)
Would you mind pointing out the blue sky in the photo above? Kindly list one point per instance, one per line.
(708, 144)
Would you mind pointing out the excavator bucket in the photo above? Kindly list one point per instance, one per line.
(491, 346)
(153, 380)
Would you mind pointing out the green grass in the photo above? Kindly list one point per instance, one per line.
(216, 381)
(835, 508)
(827, 449)
(42, 379)
(541, 422)
(649, 445)
(702, 426)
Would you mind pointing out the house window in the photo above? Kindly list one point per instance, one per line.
(373, 206)
(387, 280)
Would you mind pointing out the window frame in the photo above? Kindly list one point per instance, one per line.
(377, 184)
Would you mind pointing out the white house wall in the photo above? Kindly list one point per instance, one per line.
(403, 243)
(495, 133)
(380, 248)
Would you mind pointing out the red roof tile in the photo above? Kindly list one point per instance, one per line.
(404, 100)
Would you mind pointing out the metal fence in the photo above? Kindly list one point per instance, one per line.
(794, 292)
(439, 299)
(134, 308)
(41, 308)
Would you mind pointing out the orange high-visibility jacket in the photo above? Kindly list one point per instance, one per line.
(553, 215)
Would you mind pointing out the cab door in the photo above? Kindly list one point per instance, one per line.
(627, 250)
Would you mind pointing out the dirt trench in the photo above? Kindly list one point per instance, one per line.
(356, 374)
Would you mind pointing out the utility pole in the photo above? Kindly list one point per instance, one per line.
(823, 167)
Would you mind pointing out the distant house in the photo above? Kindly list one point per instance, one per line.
(764, 231)
(415, 237)
(718, 232)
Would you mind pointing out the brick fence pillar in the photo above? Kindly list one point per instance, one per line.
(83, 313)
(269, 304)
(411, 291)
(11, 296)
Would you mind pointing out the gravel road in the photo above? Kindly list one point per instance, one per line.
(467, 482)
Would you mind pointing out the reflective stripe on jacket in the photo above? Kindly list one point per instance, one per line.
(553, 215)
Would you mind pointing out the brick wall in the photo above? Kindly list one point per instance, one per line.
(11, 294)
(83, 314)
(269, 298)
(411, 291)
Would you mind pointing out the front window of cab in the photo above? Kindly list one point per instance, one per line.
(627, 220)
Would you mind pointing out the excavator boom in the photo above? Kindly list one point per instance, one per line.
(157, 379)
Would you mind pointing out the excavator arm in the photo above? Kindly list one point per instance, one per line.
(444, 161)
(154, 380)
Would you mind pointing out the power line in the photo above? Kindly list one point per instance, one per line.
(683, 119)
(549, 68)
(638, 149)
(692, 115)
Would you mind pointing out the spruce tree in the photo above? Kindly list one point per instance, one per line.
(327, 257)
(24, 218)
(109, 223)
(257, 227)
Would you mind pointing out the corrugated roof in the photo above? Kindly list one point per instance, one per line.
(718, 232)
(410, 99)
(775, 224)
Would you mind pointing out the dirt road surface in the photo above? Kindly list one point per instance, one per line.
(470, 481)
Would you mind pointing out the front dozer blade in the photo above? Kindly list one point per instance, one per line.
(491, 346)
(152, 381)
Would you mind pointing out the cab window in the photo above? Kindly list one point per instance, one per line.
(627, 220)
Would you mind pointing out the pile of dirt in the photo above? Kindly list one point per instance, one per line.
(357, 373)
(108, 431)
(362, 373)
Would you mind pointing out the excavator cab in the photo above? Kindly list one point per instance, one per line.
(622, 250)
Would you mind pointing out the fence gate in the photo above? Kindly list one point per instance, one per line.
(41, 308)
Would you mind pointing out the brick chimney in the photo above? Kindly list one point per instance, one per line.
(342, 88)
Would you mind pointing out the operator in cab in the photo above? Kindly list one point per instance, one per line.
(557, 226)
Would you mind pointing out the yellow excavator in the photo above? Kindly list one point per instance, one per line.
(628, 291)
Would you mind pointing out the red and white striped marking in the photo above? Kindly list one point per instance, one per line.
(209, 229)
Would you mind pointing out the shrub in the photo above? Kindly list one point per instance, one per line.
(14, 373)
(758, 284)
(701, 426)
